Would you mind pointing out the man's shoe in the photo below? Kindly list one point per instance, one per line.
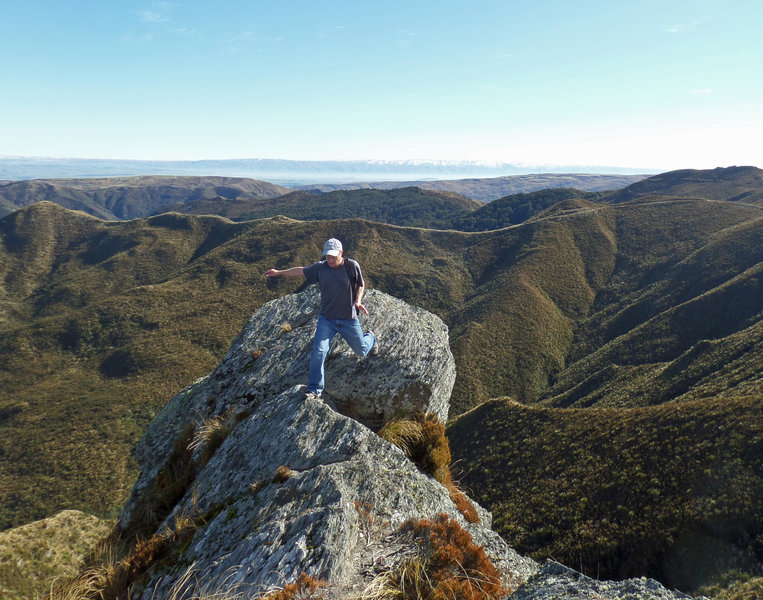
(312, 396)
(375, 350)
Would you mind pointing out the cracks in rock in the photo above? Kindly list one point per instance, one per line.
(351, 408)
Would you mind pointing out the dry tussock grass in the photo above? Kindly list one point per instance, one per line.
(449, 566)
(282, 474)
(114, 578)
(306, 586)
(403, 433)
(212, 432)
(422, 438)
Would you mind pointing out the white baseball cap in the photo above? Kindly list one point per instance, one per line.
(332, 247)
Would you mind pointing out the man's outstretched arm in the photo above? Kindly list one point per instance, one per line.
(293, 272)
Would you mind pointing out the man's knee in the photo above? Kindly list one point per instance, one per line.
(359, 346)
(321, 346)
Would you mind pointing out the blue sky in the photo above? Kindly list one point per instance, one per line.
(653, 84)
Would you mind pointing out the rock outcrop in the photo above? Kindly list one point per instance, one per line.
(553, 581)
(278, 485)
(294, 485)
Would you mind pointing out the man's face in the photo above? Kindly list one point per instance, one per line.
(334, 261)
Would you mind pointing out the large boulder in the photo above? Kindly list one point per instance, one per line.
(414, 371)
(288, 484)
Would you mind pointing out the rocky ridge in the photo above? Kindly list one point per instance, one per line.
(282, 485)
(553, 581)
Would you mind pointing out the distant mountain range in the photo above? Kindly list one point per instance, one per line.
(240, 199)
(488, 189)
(283, 172)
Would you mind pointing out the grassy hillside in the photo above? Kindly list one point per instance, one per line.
(427, 204)
(130, 197)
(33, 555)
(6, 206)
(733, 184)
(672, 491)
(680, 314)
(411, 207)
(102, 322)
(515, 209)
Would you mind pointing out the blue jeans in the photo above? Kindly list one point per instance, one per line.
(325, 331)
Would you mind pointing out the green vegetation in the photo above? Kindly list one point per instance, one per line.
(103, 322)
(412, 207)
(744, 590)
(673, 491)
(515, 209)
(114, 572)
(734, 184)
(680, 315)
(6, 207)
(32, 555)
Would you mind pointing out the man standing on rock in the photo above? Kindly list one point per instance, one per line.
(341, 283)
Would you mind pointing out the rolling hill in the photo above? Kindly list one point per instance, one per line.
(492, 188)
(435, 204)
(515, 209)
(411, 206)
(735, 184)
(129, 197)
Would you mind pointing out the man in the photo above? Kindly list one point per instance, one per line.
(341, 284)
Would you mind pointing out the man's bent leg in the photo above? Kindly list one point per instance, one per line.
(351, 331)
(325, 331)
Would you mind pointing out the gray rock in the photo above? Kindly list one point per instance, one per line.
(414, 370)
(335, 517)
(554, 580)
(337, 512)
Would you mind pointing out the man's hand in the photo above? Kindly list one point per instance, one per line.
(360, 307)
(272, 273)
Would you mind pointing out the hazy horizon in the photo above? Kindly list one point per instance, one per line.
(285, 172)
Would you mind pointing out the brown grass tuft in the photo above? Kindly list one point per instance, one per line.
(305, 587)
(213, 432)
(449, 566)
(172, 482)
(282, 474)
(113, 579)
(463, 503)
(403, 433)
(422, 438)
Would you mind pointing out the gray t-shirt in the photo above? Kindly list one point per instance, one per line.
(337, 295)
